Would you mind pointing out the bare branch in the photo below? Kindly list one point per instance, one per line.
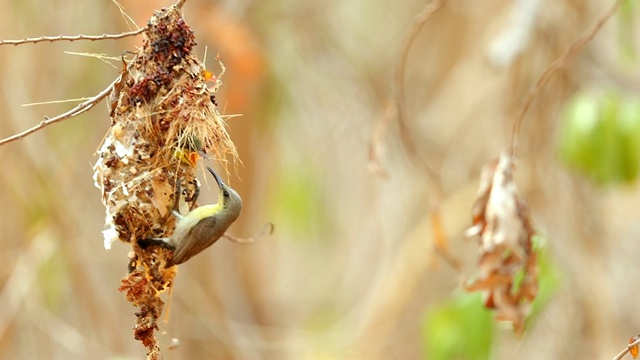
(419, 22)
(73, 38)
(71, 113)
(435, 186)
(405, 134)
(556, 66)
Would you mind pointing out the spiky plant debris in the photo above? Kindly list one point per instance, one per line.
(502, 224)
(163, 114)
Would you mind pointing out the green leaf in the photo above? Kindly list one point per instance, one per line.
(459, 329)
(600, 137)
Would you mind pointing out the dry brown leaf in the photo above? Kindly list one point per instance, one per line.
(161, 196)
(501, 223)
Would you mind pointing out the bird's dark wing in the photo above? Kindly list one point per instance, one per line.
(201, 236)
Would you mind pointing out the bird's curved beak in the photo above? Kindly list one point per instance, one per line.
(218, 180)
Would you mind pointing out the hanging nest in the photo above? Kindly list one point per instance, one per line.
(163, 115)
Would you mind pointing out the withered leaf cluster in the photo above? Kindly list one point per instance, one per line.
(163, 113)
(508, 269)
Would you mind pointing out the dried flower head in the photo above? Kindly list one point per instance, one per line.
(508, 270)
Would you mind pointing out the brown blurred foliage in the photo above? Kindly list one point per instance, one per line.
(350, 271)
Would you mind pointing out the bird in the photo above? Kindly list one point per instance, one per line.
(202, 226)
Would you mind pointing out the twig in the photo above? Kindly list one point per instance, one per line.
(419, 22)
(405, 133)
(627, 349)
(555, 66)
(71, 113)
(72, 38)
(180, 3)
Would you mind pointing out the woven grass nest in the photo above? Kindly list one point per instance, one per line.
(163, 115)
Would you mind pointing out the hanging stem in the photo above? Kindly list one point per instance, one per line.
(556, 66)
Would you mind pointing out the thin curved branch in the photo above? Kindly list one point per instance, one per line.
(418, 23)
(405, 134)
(85, 106)
(555, 66)
(435, 185)
(72, 38)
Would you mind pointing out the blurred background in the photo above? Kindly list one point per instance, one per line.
(351, 271)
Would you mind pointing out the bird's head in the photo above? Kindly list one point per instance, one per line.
(229, 199)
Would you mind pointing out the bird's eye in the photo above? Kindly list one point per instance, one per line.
(225, 193)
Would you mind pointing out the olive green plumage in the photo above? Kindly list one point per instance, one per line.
(203, 226)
